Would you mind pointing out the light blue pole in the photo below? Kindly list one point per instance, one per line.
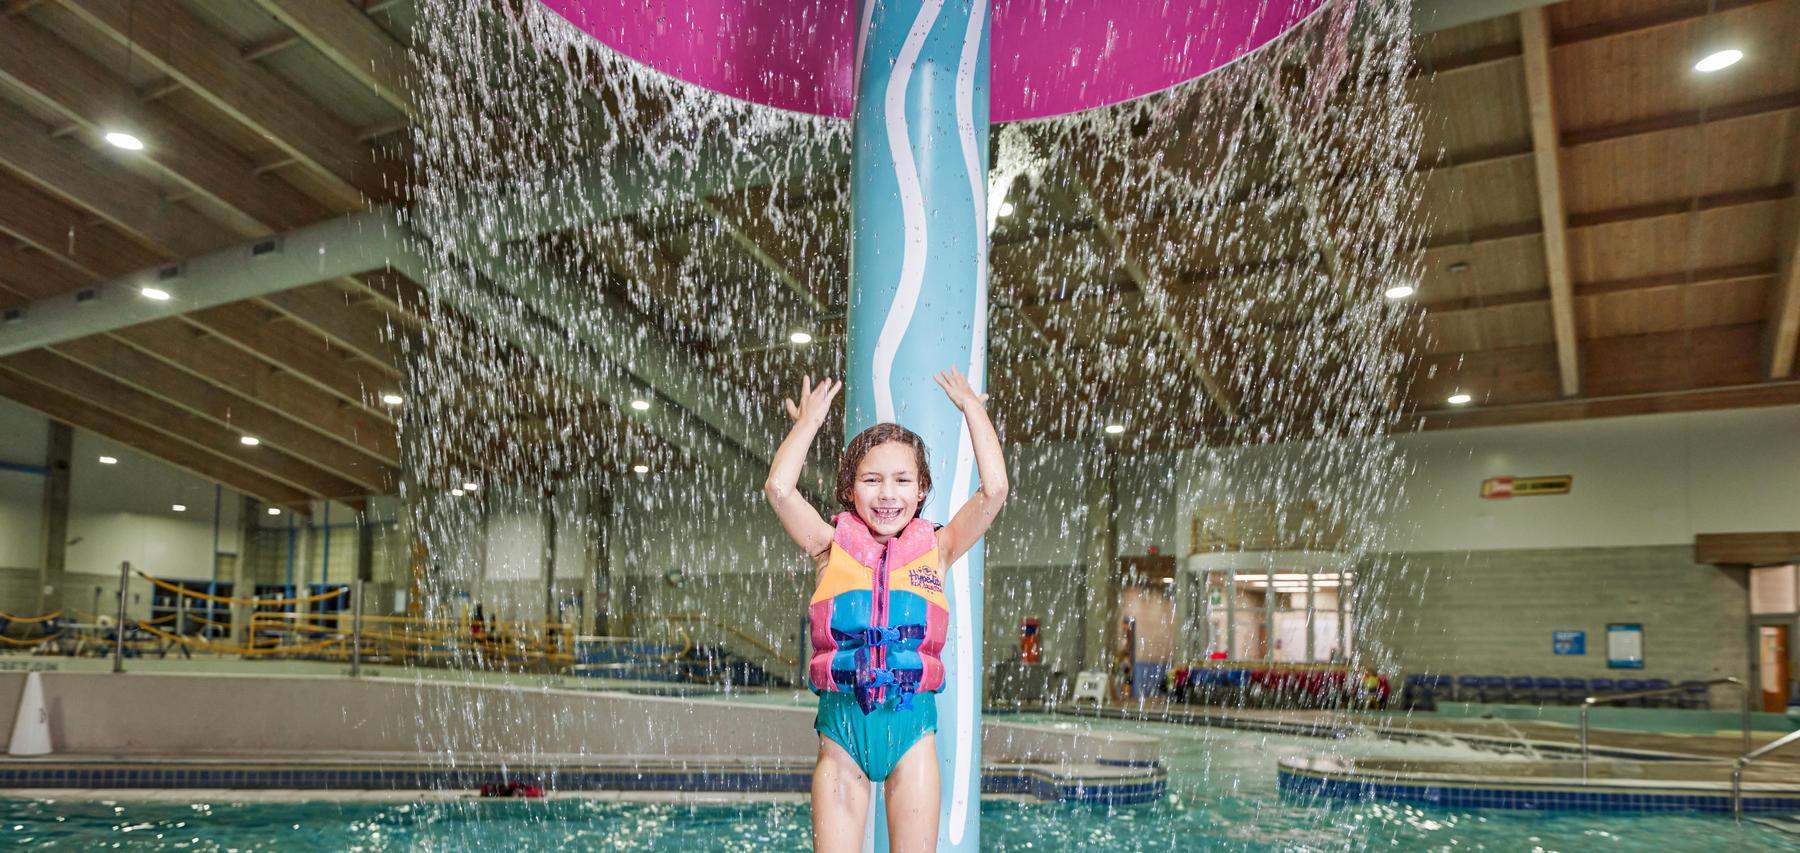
(918, 304)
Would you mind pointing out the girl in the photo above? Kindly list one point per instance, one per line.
(879, 613)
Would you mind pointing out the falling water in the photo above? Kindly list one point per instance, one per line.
(1210, 260)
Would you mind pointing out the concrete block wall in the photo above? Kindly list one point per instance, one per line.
(1492, 612)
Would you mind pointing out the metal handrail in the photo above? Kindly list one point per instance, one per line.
(1588, 704)
(1737, 769)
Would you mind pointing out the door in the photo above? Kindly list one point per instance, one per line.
(1772, 652)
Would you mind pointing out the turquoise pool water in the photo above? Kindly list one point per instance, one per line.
(1222, 796)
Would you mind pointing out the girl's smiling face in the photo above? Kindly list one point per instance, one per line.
(887, 493)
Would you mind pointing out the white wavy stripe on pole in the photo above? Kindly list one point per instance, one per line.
(912, 207)
(966, 691)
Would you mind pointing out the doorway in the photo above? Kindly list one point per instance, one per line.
(1772, 666)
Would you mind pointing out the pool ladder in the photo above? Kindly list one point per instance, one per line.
(1737, 769)
(1588, 704)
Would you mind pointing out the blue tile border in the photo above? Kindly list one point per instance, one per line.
(1347, 785)
(1146, 784)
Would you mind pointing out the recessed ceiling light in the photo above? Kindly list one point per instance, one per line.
(108, 460)
(640, 405)
(469, 487)
(1400, 291)
(1114, 429)
(274, 510)
(125, 140)
(154, 293)
(457, 492)
(1006, 208)
(249, 440)
(640, 468)
(179, 507)
(800, 338)
(1459, 399)
(392, 399)
(1719, 59)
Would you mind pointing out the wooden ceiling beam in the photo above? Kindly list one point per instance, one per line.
(1709, 275)
(266, 334)
(1083, 178)
(737, 225)
(1781, 333)
(53, 228)
(179, 45)
(328, 311)
(1692, 400)
(1689, 10)
(82, 90)
(1534, 25)
(202, 433)
(224, 364)
(354, 43)
(87, 180)
(81, 414)
(1780, 103)
(128, 366)
(35, 274)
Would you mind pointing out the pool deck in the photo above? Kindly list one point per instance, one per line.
(1509, 736)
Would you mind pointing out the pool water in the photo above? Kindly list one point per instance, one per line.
(1222, 796)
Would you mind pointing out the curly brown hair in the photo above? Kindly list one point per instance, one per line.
(868, 440)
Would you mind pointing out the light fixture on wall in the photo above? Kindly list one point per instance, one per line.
(1718, 59)
(109, 460)
(179, 507)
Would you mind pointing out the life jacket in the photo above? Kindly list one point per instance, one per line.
(878, 616)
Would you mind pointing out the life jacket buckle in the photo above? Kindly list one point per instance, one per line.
(880, 677)
(881, 636)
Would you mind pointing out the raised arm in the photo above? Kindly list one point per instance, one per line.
(972, 520)
(811, 532)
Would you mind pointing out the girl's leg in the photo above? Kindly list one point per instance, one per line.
(840, 800)
(912, 799)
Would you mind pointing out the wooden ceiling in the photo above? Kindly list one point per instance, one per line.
(1610, 233)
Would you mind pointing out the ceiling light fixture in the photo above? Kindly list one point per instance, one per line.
(155, 293)
(641, 405)
(1459, 266)
(640, 468)
(1114, 429)
(1006, 208)
(1399, 291)
(249, 440)
(274, 510)
(121, 139)
(392, 399)
(800, 338)
(469, 487)
(457, 492)
(1718, 59)
(1460, 399)
(108, 460)
(179, 507)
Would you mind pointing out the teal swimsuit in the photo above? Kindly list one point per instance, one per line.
(876, 741)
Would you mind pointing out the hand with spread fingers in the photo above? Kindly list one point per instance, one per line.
(957, 388)
(815, 401)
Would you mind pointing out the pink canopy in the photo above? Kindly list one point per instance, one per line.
(1049, 57)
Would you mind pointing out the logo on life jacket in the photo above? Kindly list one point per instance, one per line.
(924, 577)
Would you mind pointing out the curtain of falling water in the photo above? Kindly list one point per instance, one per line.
(1267, 208)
